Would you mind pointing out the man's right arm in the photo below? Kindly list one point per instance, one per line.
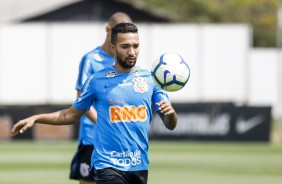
(62, 117)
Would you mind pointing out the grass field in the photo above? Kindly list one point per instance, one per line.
(170, 162)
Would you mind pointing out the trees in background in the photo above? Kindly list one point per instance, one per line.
(260, 14)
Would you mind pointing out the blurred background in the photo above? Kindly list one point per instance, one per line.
(234, 95)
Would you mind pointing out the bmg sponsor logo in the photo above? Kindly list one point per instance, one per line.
(127, 113)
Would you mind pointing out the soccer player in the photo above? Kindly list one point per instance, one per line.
(123, 95)
(95, 60)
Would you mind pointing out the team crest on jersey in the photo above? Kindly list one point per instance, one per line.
(140, 85)
(110, 74)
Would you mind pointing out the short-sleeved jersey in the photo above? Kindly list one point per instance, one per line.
(123, 102)
(92, 62)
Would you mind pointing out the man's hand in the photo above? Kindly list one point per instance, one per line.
(165, 108)
(22, 126)
(167, 114)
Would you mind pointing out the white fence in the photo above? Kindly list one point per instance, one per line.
(39, 62)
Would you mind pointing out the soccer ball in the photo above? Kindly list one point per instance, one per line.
(170, 72)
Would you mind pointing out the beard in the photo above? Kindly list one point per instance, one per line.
(125, 63)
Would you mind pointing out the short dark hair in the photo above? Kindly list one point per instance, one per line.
(122, 28)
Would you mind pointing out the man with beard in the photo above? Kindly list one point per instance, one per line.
(91, 62)
(123, 96)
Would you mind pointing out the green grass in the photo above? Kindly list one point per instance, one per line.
(213, 163)
(170, 162)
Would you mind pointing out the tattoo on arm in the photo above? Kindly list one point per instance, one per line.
(64, 115)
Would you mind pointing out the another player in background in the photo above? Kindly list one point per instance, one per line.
(95, 60)
(123, 96)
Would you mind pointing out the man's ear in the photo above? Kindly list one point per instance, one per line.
(112, 47)
(108, 28)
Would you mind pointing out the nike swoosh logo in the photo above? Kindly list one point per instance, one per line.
(243, 126)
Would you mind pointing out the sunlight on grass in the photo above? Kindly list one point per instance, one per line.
(170, 162)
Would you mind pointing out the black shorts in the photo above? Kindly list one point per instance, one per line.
(115, 176)
(81, 163)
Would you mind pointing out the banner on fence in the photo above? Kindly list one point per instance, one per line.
(196, 121)
(216, 121)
